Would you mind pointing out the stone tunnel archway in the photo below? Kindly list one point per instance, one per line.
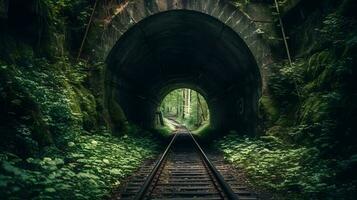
(182, 48)
(128, 13)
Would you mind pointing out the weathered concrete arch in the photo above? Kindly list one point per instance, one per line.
(182, 48)
(130, 13)
(231, 80)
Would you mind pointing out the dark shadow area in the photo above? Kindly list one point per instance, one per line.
(177, 49)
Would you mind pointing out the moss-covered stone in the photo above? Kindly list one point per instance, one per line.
(269, 109)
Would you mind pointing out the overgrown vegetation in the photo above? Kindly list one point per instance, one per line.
(44, 100)
(295, 171)
(58, 158)
(166, 129)
(57, 149)
(89, 168)
(321, 111)
(55, 142)
(309, 116)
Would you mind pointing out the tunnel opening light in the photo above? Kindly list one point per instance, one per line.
(183, 107)
(183, 49)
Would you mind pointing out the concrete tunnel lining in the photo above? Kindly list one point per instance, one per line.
(182, 48)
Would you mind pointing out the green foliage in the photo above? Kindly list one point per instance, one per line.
(48, 100)
(334, 29)
(90, 168)
(284, 84)
(60, 12)
(191, 111)
(167, 129)
(270, 112)
(48, 111)
(206, 134)
(164, 131)
(324, 82)
(311, 104)
(203, 130)
(296, 172)
(56, 88)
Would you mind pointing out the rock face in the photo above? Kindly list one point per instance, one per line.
(152, 47)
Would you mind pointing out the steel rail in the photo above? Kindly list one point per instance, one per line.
(225, 187)
(227, 190)
(142, 192)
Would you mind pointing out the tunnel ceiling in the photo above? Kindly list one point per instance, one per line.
(181, 48)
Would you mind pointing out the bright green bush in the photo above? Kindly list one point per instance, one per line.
(297, 172)
(89, 169)
(73, 164)
(49, 112)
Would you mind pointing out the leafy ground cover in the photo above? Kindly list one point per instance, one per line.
(294, 171)
(92, 165)
(54, 145)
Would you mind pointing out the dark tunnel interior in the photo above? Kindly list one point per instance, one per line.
(181, 48)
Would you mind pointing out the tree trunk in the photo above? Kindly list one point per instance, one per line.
(188, 102)
(177, 105)
(183, 103)
(198, 119)
(202, 109)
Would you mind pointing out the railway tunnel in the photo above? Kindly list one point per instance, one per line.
(182, 48)
(73, 73)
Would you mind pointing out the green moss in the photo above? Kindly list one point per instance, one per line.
(203, 130)
(207, 134)
(87, 105)
(164, 131)
(269, 108)
(117, 117)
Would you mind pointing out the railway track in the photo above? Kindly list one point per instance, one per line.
(182, 172)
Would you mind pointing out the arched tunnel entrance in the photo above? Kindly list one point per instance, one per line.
(182, 48)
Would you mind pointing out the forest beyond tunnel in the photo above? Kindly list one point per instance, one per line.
(183, 48)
